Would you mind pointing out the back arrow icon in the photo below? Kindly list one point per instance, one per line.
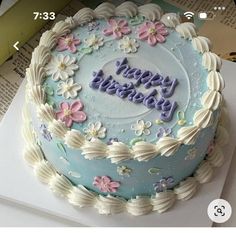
(15, 45)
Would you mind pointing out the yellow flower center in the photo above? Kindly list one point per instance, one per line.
(117, 29)
(62, 66)
(68, 41)
(94, 132)
(152, 31)
(67, 112)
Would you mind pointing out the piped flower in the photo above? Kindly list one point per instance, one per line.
(71, 113)
(68, 43)
(124, 170)
(94, 25)
(162, 132)
(117, 28)
(61, 67)
(105, 184)
(128, 45)
(141, 127)
(152, 32)
(68, 89)
(94, 42)
(191, 154)
(163, 184)
(95, 130)
(45, 133)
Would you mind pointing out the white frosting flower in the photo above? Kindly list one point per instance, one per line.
(61, 67)
(141, 127)
(191, 154)
(94, 41)
(68, 89)
(128, 45)
(124, 170)
(95, 130)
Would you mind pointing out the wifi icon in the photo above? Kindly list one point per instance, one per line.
(188, 14)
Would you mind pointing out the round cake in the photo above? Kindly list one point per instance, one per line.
(123, 108)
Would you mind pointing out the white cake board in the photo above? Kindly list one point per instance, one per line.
(19, 184)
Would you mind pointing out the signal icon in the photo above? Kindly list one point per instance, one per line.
(188, 14)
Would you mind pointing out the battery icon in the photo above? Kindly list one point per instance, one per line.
(202, 15)
(206, 15)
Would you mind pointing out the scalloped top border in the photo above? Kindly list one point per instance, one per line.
(118, 151)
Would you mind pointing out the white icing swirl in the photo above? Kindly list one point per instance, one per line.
(216, 157)
(80, 196)
(48, 39)
(139, 206)
(57, 128)
(41, 55)
(186, 189)
(84, 15)
(35, 74)
(150, 11)
(168, 146)
(110, 205)
(127, 9)
(33, 154)
(143, 151)
(201, 44)
(37, 95)
(104, 10)
(94, 149)
(71, 22)
(170, 20)
(118, 152)
(211, 61)
(211, 99)
(44, 171)
(46, 113)
(74, 139)
(188, 134)
(222, 136)
(60, 185)
(61, 28)
(204, 173)
(186, 30)
(203, 118)
(163, 201)
(215, 81)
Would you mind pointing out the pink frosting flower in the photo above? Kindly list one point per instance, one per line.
(117, 28)
(105, 184)
(68, 43)
(152, 32)
(71, 113)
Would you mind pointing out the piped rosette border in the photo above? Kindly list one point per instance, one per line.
(118, 151)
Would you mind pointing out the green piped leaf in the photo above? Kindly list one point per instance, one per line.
(135, 140)
(154, 170)
(62, 148)
(86, 50)
(136, 20)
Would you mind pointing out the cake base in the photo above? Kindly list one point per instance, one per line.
(22, 187)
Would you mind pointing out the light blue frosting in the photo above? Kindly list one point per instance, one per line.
(175, 58)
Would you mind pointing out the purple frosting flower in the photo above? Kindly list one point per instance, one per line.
(163, 132)
(163, 184)
(45, 133)
(111, 140)
(93, 26)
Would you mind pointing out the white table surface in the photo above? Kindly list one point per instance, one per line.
(12, 214)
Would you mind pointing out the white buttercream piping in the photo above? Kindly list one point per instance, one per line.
(80, 196)
(166, 146)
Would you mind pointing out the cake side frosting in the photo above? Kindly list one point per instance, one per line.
(130, 162)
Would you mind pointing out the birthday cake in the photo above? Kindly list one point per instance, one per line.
(123, 108)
